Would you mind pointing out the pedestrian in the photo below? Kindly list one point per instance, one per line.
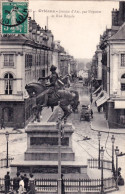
(63, 186)
(26, 181)
(91, 99)
(99, 108)
(7, 182)
(16, 181)
(91, 113)
(2, 123)
(21, 186)
(32, 184)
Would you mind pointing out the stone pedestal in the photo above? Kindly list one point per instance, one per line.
(42, 142)
(41, 156)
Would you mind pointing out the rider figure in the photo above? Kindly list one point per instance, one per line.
(53, 83)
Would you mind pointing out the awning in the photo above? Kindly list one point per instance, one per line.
(120, 104)
(102, 100)
(96, 90)
(99, 95)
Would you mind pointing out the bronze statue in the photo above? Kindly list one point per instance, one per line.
(53, 86)
(52, 94)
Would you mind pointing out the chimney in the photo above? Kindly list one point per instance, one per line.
(121, 12)
(45, 28)
(115, 14)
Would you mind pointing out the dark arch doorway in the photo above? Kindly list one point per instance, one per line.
(7, 114)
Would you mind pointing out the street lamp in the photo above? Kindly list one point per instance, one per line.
(116, 152)
(99, 137)
(102, 155)
(7, 138)
(59, 126)
(113, 141)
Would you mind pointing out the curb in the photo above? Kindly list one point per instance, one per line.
(110, 130)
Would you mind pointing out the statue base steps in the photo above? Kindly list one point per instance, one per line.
(47, 155)
(49, 169)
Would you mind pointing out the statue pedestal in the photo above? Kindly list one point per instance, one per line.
(42, 142)
(41, 156)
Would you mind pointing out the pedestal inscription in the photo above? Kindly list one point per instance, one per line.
(48, 141)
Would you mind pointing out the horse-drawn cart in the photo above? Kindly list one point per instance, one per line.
(86, 113)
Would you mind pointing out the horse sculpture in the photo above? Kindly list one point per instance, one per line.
(62, 97)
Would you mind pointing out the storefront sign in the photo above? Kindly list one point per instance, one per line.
(119, 104)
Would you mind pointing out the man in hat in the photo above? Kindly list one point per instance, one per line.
(16, 181)
(7, 182)
(53, 83)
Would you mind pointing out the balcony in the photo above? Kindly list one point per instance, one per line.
(8, 64)
(12, 97)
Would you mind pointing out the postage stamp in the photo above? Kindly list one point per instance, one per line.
(14, 17)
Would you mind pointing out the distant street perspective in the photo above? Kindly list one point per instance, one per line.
(62, 97)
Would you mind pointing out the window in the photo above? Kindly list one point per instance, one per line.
(9, 60)
(8, 83)
(123, 82)
(122, 117)
(123, 60)
(28, 60)
(123, 76)
(122, 86)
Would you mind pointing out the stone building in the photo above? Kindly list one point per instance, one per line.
(112, 46)
(116, 104)
(24, 58)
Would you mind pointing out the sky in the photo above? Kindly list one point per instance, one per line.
(76, 24)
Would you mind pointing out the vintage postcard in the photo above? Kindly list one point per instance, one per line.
(62, 96)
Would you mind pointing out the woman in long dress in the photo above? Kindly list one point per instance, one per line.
(21, 186)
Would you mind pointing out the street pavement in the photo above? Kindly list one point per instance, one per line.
(84, 149)
(99, 123)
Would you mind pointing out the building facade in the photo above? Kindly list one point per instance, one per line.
(112, 46)
(23, 59)
(116, 104)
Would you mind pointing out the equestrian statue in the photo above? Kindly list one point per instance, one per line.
(52, 94)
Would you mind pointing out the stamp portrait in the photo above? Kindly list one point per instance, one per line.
(14, 17)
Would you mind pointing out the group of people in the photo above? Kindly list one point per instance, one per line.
(21, 183)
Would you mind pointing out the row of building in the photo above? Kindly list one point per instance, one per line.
(23, 59)
(108, 69)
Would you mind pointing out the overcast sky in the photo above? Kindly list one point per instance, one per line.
(79, 29)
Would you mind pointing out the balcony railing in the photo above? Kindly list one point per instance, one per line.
(8, 64)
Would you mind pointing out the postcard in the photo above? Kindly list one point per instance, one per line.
(62, 96)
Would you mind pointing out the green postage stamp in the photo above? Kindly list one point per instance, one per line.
(14, 17)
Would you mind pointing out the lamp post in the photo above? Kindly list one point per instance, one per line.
(99, 137)
(116, 152)
(102, 155)
(7, 138)
(59, 125)
(113, 141)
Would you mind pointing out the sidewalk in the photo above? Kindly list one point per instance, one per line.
(99, 123)
(46, 114)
